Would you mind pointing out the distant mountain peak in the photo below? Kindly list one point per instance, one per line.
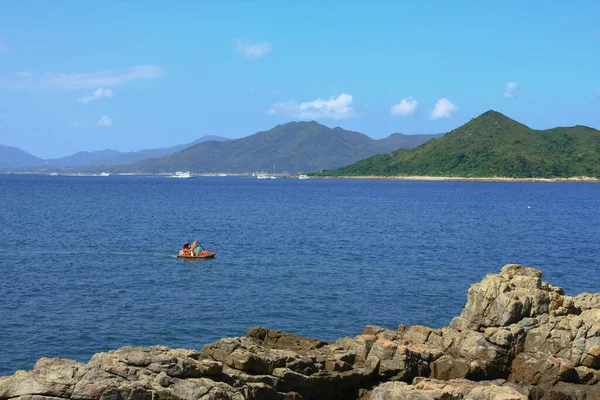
(298, 126)
(302, 123)
(493, 113)
(491, 120)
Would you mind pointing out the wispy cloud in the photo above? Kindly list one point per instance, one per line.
(23, 74)
(511, 88)
(335, 108)
(443, 109)
(252, 51)
(406, 107)
(81, 80)
(102, 78)
(104, 121)
(98, 94)
(3, 45)
(75, 124)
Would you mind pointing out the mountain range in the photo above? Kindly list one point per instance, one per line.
(288, 148)
(12, 157)
(492, 145)
(487, 146)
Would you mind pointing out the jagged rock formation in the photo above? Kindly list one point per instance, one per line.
(517, 338)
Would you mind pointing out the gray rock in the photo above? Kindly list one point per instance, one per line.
(458, 389)
(509, 297)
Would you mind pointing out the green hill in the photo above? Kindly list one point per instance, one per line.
(289, 148)
(492, 145)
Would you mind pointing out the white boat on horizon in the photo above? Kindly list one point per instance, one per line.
(303, 176)
(265, 176)
(181, 174)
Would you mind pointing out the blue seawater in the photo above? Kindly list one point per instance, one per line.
(87, 264)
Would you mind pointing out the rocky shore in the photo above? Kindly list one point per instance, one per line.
(517, 338)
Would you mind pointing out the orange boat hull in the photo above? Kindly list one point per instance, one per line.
(202, 254)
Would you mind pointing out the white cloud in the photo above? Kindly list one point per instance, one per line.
(335, 108)
(511, 88)
(82, 80)
(23, 74)
(406, 107)
(104, 121)
(252, 51)
(443, 109)
(98, 94)
(101, 78)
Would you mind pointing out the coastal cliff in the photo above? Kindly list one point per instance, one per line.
(517, 338)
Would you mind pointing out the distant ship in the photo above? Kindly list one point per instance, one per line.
(302, 176)
(181, 174)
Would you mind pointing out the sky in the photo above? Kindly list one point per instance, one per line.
(134, 75)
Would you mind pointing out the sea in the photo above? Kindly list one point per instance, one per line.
(87, 264)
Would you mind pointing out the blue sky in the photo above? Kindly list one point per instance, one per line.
(133, 75)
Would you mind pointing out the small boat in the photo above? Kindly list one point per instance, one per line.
(187, 253)
(202, 254)
(302, 176)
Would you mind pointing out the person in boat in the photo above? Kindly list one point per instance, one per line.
(186, 250)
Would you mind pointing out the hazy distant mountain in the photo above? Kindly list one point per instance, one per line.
(292, 147)
(104, 157)
(492, 145)
(11, 157)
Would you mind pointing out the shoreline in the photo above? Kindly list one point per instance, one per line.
(462, 179)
